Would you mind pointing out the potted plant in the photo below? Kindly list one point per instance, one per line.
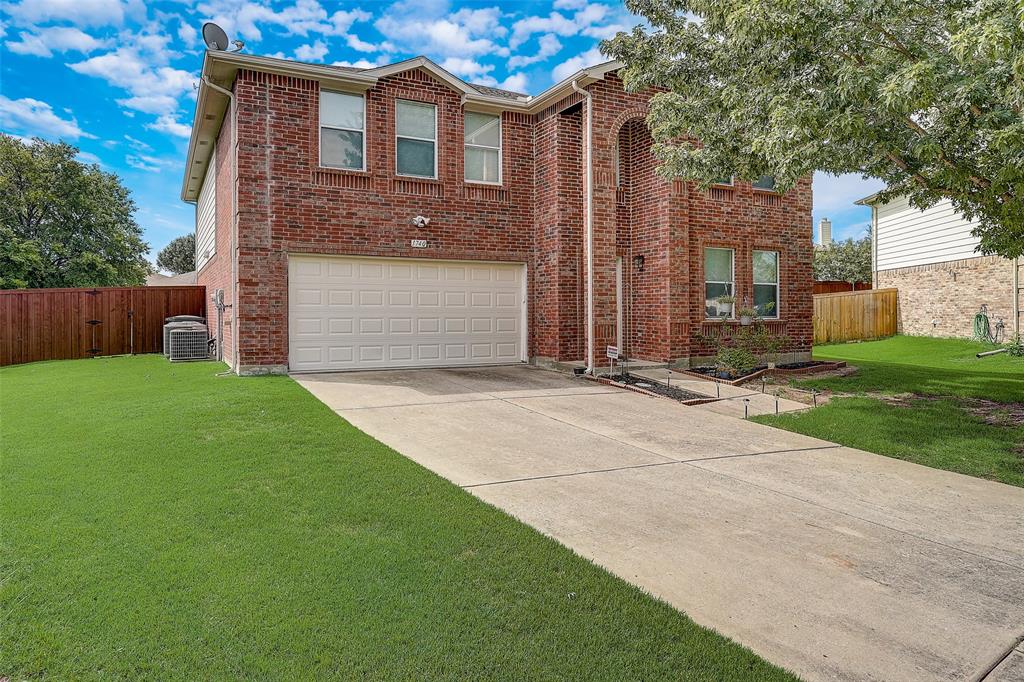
(724, 306)
(747, 316)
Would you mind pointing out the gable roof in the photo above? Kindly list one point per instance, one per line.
(221, 67)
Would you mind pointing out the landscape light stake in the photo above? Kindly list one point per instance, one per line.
(718, 389)
(746, 407)
(814, 396)
(762, 383)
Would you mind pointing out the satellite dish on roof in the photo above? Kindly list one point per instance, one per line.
(214, 37)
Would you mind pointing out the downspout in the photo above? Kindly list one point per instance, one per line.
(233, 249)
(589, 219)
(1016, 296)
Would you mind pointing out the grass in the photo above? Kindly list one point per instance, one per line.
(925, 366)
(158, 521)
(942, 424)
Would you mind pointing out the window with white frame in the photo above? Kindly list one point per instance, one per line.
(483, 147)
(415, 139)
(766, 283)
(342, 130)
(719, 282)
(765, 182)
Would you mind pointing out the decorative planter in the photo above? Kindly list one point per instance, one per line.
(746, 320)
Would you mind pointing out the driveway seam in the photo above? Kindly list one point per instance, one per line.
(695, 463)
(490, 398)
(570, 474)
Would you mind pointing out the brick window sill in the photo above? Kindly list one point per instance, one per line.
(339, 177)
(718, 328)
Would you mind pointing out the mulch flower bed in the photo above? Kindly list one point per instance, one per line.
(655, 388)
(787, 369)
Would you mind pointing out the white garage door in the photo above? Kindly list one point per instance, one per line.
(366, 313)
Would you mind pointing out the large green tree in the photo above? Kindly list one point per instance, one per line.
(844, 261)
(64, 223)
(179, 255)
(923, 94)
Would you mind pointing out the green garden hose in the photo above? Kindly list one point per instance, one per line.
(982, 332)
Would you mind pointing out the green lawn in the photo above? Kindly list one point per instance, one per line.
(941, 424)
(158, 521)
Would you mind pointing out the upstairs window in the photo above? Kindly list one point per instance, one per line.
(416, 139)
(765, 182)
(719, 281)
(766, 283)
(483, 147)
(342, 130)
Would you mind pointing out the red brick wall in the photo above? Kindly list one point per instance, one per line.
(286, 203)
(292, 205)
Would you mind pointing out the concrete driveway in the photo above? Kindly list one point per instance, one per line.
(835, 563)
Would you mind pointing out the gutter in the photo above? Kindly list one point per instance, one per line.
(233, 248)
(589, 213)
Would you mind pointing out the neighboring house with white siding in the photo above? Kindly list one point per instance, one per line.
(930, 257)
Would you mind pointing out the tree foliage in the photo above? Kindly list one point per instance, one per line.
(64, 223)
(844, 261)
(179, 256)
(925, 95)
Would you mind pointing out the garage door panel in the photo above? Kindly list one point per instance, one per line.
(394, 313)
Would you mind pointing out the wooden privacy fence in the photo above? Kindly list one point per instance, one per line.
(854, 315)
(62, 324)
(835, 286)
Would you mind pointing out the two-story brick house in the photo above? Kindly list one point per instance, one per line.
(401, 217)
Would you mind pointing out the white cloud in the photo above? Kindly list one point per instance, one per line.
(34, 117)
(44, 42)
(592, 19)
(150, 164)
(188, 34)
(302, 18)
(77, 12)
(428, 28)
(360, 45)
(88, 157)
(167, 124)
(547, 46)
(150, 104)
(515, 82)
(363, 63)
(311, 53)
(569, 4)
(140, 67)
(137, 144)
(570, 66)
(466, 68)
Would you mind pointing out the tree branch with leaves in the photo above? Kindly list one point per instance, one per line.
(924, 96)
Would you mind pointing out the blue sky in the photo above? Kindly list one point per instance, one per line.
(116, 77)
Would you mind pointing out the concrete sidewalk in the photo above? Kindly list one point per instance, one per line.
(834, 563)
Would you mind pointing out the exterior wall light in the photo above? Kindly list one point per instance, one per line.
(638, 263)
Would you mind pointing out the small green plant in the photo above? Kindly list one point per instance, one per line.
(735, 361)
(1016, 348)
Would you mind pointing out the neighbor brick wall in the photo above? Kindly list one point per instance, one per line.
(941, 299)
